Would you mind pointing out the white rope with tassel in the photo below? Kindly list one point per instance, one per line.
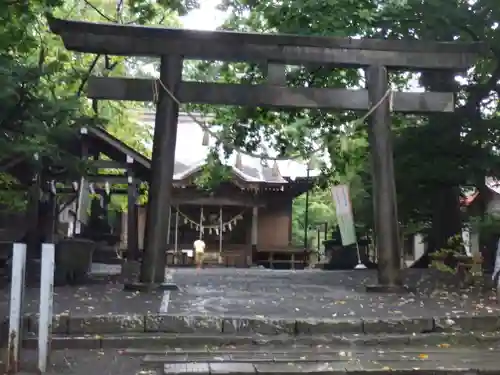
(206, 128)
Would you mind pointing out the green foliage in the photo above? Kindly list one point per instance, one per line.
(213, 173)
(486, 225)
(452, 259)
(148, 9)
(42, 98)
(11, 198)
(443, 258)
(321, 211)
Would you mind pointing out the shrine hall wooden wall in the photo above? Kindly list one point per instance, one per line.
(275, 225)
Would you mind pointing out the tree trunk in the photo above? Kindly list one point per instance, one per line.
(446, 215)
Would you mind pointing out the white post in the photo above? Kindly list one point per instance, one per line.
(418, 246)
(46, 300)
(16, 306)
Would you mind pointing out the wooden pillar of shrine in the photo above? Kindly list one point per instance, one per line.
(384, 188)
(162, 163)
(81, 185)
(132, 213)
(33, 208)
(254, 235)
(52, 215)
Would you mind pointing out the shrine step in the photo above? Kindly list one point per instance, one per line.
(286, 360)
(189, 341)
(294, 360)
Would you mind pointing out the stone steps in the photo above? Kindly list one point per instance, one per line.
(417, 361)
(65, 324)
(327, 368)
(294, 360)
(194, 340)
(300, 354)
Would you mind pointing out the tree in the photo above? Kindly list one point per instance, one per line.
(43, 84)
(320, 212)
(435, 156)
(460, 148)
(35, 114)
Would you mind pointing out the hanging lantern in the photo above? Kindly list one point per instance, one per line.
(238, 161)
(206, 138)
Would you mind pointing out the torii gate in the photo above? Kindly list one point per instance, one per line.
(174, 46)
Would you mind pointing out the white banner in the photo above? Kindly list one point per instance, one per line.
(340, 195)
(345, 220)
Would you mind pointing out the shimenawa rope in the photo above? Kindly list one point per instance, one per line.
(206, 128)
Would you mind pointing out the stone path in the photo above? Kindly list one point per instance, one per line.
(319, 294)
(270, 293)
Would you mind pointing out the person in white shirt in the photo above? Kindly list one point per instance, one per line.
(199, 252)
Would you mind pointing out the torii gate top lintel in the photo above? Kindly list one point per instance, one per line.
(132, 40)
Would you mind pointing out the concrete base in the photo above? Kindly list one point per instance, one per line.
(147, 287)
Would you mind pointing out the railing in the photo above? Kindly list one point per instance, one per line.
(16, 306)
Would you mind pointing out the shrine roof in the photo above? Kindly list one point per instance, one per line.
(190, 157)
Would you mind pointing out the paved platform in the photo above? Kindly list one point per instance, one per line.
(272, 293)
(265, 301)
(319, 294)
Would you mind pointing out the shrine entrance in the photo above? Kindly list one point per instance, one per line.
(272, 52)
